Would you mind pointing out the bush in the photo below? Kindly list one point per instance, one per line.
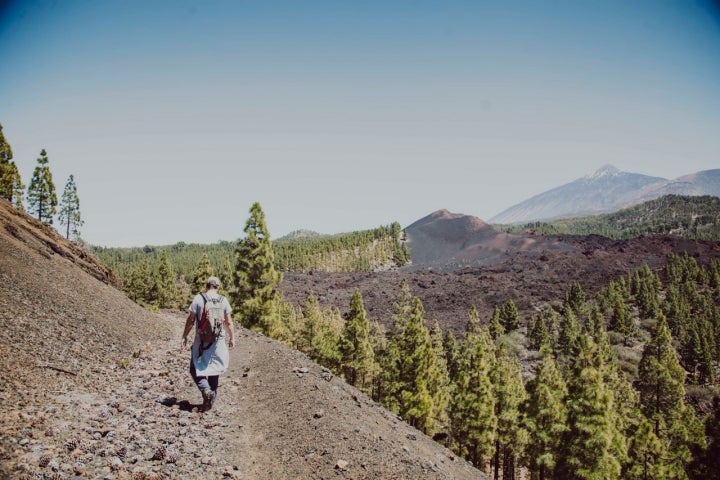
(628, 360)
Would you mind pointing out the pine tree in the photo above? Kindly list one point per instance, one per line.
(69, 214)
(255, 276)
(41, 196)
(320, 335)
(203, 271)
(390, 384)
(662, 392)
(438, 379)
(450, 347)
(710, 469)
(510, 395)
(625, 398)
(621, 320)
(646, 288)
(226, 274)
(677, 311)
(473, 321)
(546, 417)
(402, 309)
(11, 186)
(286, 325)
(355, 349)
(568, 332)
(166, 293)
(311, 321)
(541, 329)
(595, 328)
(141, 283)
(472, 408)
(575, 299)
(416, 361)
(496, 326)
(645, 451)
(379, 344)
(589, 450)
(509, 316)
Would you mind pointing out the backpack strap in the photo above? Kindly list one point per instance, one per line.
(199, 319)
(199, 325)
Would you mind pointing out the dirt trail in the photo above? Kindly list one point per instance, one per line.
(278, 415)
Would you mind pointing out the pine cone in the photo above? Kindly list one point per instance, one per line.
(121, 452)
(45, 459)
(160, 453)
(172, 456)
(72, 444)
(87, 446)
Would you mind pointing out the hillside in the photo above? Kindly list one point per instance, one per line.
(444, 241)
(102, 391)
(606, 190)
(695, 217)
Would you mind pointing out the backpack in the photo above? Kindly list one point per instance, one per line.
(210, 325)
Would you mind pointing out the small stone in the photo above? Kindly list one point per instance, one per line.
(115, 464)
(341, 465)
(319, 414)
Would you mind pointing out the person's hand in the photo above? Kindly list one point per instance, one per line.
(183, 345)
(231, 343)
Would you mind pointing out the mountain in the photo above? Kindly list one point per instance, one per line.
(605, 191)
(94, 386)
(446, 241)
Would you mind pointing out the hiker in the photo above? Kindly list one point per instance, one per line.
(210, 356)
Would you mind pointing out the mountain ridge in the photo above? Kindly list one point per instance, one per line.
(604, 191)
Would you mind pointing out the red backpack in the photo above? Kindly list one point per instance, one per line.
(210, 325)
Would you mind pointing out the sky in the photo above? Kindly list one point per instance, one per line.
(174, 117)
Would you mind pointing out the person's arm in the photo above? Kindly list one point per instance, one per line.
(188, 326)
(230, 329)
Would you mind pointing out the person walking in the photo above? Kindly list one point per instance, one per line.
(209, 359)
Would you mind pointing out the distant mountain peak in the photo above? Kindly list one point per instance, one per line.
(606, 190)
(605, 171)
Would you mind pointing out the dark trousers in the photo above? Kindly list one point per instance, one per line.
(203, 383)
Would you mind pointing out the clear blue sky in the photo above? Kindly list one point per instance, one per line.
(175, 116)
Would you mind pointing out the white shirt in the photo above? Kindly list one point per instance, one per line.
(215, 359)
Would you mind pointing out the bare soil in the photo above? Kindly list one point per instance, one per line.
(531, 278)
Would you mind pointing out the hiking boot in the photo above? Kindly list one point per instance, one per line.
(208, 397)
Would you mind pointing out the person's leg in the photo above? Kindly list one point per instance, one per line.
(214, 382)
(202, 382)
